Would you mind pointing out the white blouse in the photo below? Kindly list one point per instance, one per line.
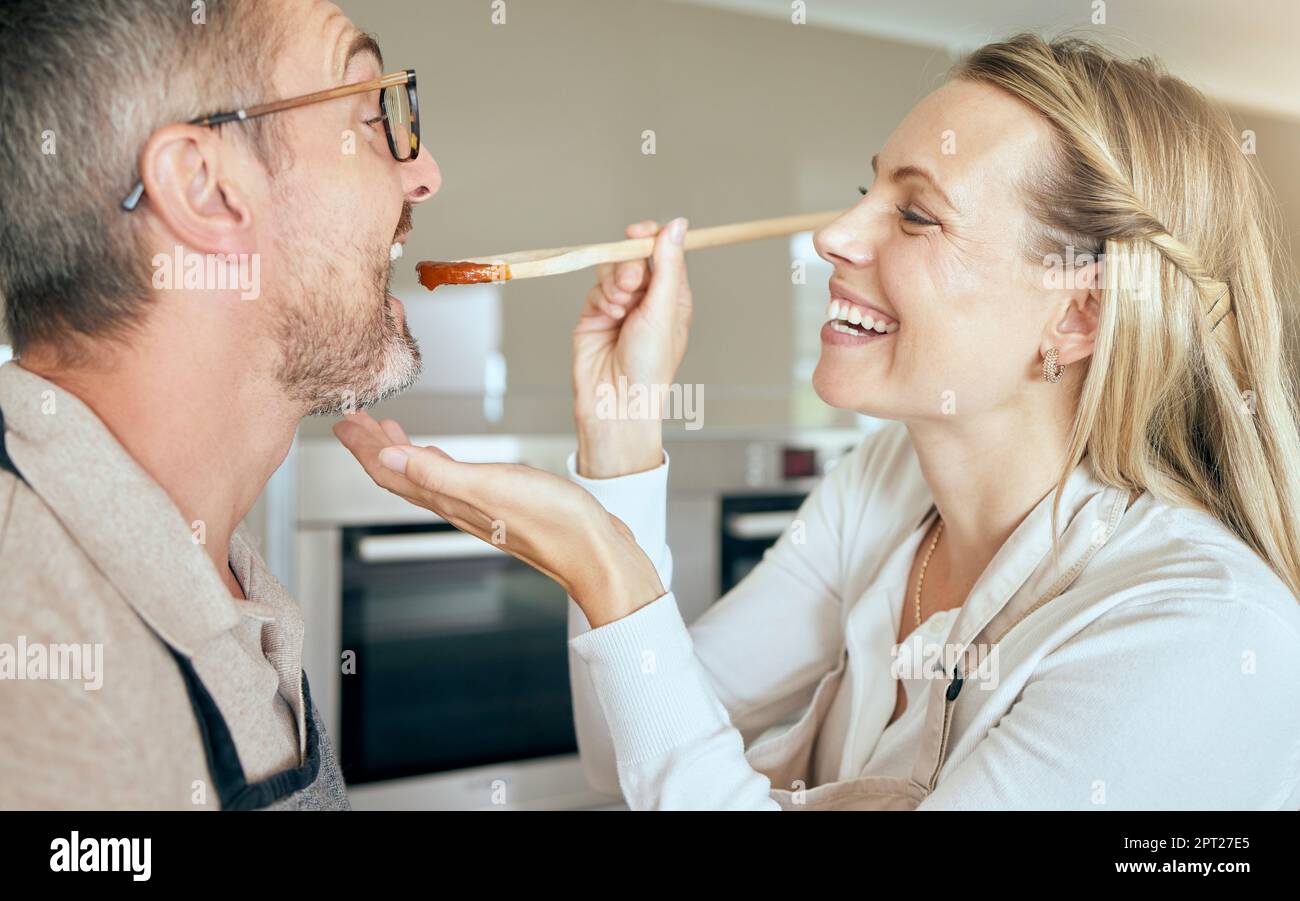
(843, 749)
(1162, 675)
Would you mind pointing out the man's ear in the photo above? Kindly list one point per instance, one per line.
(191, 191)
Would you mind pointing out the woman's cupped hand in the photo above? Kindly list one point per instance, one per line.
(548, 522)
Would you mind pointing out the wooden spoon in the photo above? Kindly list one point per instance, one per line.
(535, 263)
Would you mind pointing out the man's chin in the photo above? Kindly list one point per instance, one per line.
(401, 367)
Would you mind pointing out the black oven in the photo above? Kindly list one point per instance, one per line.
(750, 524)
(454, 655)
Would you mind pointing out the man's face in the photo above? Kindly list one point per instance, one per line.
(330, 223)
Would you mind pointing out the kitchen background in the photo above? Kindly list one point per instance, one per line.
(439, 663)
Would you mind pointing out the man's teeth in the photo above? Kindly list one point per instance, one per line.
(840, 312)
(395, 251)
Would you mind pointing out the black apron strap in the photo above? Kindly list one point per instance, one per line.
(6, 463)
(231, 784)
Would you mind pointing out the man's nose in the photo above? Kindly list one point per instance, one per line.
(421, 178)
(846, 241)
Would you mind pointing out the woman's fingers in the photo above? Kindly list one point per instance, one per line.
(631, 277)
(634, 274)
(624, 282)
(644, 229)
(598, 312)
(479, 498)
(359, 432)
(384, 460)
(378, 434)
(542, 519)
(621, 286)
(367, 446)
(497, 488)
(611, 299)
(483, 486)
(394, 431)
(365, 422)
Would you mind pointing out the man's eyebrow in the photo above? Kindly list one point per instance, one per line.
(903, 173)
(362, 43)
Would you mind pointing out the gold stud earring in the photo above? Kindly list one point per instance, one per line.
(1051, 371)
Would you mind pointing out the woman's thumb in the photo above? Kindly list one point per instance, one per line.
(669, 264)
(426, 466)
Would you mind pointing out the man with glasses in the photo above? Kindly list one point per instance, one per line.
(201, 208)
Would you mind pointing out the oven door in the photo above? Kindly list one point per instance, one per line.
(750, 524)
(458, 653)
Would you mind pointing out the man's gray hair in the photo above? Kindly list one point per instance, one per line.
(82, 86)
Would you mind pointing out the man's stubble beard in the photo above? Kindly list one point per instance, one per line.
(339, 356)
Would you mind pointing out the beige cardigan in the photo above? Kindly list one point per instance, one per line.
(93, 552)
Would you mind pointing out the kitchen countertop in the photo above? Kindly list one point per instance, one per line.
(730, 412)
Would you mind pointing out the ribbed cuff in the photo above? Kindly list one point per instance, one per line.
(650, 685)
(639, 499)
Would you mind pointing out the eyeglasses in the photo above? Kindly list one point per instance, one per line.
(397, 107)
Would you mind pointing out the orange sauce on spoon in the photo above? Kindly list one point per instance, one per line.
(432, 274)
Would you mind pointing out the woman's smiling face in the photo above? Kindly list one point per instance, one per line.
(936, 245)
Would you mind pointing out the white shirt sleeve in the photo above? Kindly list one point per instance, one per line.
(657, 706)
(1169, 703)
(640, 500)
(673, 742)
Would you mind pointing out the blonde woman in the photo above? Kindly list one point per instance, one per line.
(1064, 576)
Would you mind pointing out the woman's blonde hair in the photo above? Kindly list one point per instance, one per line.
(1187, 394)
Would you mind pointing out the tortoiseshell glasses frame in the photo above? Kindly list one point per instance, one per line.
(397, 108)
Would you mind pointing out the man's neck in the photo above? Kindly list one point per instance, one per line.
(198, 417)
